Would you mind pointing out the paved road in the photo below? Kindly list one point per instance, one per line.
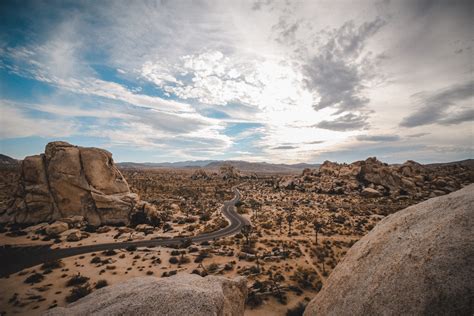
(15, 259)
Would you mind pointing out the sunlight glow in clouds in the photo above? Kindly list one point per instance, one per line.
(272, 81)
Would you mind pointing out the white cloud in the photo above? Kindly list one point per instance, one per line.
(15, 123)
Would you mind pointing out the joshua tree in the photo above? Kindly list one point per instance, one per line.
(290, 218)
(317, 225)
(279, 221)
(246, 230)
(256, 206)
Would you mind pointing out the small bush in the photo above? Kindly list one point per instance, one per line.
(173, 260)
(96, 260)
(109, 253)
(253, 300)
(56, 264)
(34, 278)
(78, 292)
(101, 283)
(77, 279)
(298, 310)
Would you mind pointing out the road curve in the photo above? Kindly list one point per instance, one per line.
(14, 259)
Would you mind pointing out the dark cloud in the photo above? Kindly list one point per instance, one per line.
(336, 73)
(436, 107)
(284, 147)
(457, 118)
(418, 135)
(346, 122)
(315, 142)
(259, 4)
(378, 138)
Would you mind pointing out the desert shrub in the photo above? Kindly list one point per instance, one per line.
(298, 310)
(184, 260)
(96, 260)
(253, 300)
(212, 267)
(109, 253)
(175, 252)
(305, 277)
(34, 278)
(78, 292)
(55, 264)
(193, 249)
(295, 289)
(77, 279)
(101, 283)
(173, 260)
(90, 228)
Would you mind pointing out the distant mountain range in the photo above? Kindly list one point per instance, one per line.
(214, 165)
(5, 160)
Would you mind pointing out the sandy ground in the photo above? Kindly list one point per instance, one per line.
(20, 298)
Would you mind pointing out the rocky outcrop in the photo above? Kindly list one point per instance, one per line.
(408, 179)
(200, 174)
(69, 180)
(418, 261)
(227, 171)
(182, 294)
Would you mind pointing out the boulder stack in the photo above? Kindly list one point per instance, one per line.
(370, 175)
(69, 180)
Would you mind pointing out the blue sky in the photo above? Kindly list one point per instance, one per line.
(263, 80)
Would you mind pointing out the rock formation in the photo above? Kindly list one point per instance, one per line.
(418, 261)
(410, 178)
(69, 181)
(182, 294)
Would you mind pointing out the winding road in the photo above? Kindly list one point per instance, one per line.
(14, 259)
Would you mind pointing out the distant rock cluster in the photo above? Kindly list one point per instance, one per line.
(372, 178)
(418, 261)
(69, 180)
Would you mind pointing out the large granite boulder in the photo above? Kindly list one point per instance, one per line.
(69, 180)
(418, 261)
(182, 294)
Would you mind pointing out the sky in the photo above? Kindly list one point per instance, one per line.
(274, 81)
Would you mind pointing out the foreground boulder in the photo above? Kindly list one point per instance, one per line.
(68, 181)
(419, 261)
(182, 294)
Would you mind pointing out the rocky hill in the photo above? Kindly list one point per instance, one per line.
(374, 178)
(418, 261)
(8, 161)
(69, 181)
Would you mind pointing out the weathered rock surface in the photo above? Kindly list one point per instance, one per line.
(68, 181)
(418, 261)
(182, 294)
(56, 228)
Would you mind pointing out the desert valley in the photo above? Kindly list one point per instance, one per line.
(296, 226)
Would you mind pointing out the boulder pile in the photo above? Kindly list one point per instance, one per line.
(418, 261)
(373, 178)
(68, 181)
